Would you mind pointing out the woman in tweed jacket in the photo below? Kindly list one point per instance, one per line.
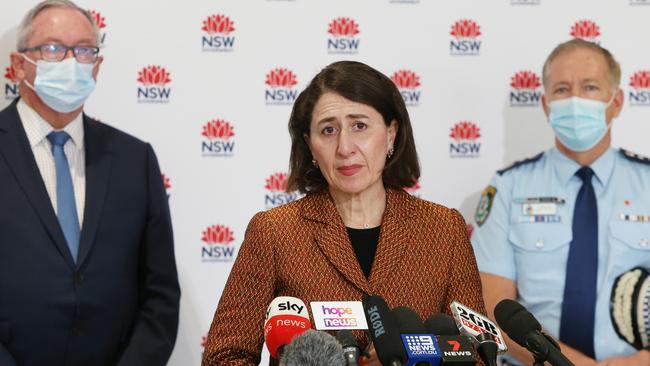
(352, 152)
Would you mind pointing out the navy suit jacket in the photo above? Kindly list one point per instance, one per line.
(118, 305)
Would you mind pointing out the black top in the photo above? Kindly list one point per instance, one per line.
(364, 243)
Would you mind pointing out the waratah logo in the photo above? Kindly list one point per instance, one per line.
(465, 137)
(217, 244)
(218, 140)
(280, 86)
(640, 83)
(276, 186)
(465, 40)
(218, 28)
(408, 84)
(167, 184)
(153, 89)
(585, 29)
(525, 89)
(100, 21)
(343, 37)
(11, 86)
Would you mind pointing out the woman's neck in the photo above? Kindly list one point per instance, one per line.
(361, 210)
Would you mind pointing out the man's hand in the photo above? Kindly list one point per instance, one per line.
(641, 358)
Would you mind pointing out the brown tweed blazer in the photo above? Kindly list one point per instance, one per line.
(424, 260)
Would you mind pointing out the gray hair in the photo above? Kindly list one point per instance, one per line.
(613, 67)
(25, 27)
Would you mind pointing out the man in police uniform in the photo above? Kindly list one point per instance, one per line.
(554, 231)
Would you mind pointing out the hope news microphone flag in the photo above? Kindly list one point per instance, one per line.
(525, 330)
(286, 317)
(384, 331)
(313, 348)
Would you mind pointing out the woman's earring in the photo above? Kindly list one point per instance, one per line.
(391, 152)
(314, 162)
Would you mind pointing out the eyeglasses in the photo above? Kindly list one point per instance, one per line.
(57, 52)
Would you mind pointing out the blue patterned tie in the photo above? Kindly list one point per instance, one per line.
(65, 201)
(579, 304)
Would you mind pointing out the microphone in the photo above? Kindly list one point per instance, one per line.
(351, 350)
(455, 349)
(421, 348)
(525, 330)
(384, 331)
(313, 348)
(482, 331)
(286, 317)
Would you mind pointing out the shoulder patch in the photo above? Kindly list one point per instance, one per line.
(521, 162)
(485, 205)
(635, 157)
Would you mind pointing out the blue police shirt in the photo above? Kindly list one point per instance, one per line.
(523, 231)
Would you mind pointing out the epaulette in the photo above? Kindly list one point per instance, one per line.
(521, 162)
(635, 157)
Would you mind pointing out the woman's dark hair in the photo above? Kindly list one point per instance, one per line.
(359, 83)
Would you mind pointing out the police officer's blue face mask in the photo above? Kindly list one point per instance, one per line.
(579, 123)
(63, 86)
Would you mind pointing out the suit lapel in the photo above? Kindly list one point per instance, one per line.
(393, 239)
(18, 154)
(333, 240)
(98, 167)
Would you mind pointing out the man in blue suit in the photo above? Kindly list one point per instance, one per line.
(87, 268)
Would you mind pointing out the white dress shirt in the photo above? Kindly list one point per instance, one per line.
(37, 130)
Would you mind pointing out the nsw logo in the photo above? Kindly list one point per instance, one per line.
(217, 35)
(11, 84)
(276, 186)
(343, 36)
(640, 83)
(217, 244)
(408, 84)
(100, 21)
(280, 87)
(167, 184)
(587, 30)
(465, 41)
(153, 88)
(217, 140)
(465, 144)
(525, 90)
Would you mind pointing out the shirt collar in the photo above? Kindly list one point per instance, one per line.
(566, 168)
(37, 128)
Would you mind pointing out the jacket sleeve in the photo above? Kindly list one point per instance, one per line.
(464, 285)
(236, 335)
(156, 323)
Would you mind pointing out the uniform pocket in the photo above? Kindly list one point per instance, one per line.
(540, 237)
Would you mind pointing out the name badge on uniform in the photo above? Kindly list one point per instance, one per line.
(635, 218)
(558, 200)
(533, 209)
(539, 218)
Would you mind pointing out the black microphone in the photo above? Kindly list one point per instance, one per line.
(351, 350)
(525, 330)
(313, 348)
(411, 326)
(455, 349)
(384, 331)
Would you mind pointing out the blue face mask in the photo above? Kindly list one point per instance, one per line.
(63, 86)
(579, 123)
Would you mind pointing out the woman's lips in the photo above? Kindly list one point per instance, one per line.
(348, 170)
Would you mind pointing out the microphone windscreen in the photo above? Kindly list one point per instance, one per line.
(346, 338)
(515, 320)
(441, 324)
(383, 330)
(313, 348)
(408, 321)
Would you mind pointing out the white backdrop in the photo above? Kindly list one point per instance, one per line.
(210, 85)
